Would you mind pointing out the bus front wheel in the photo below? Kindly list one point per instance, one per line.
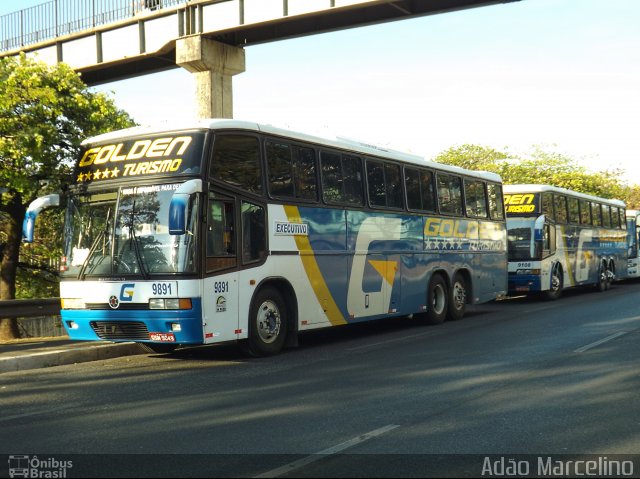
(267, 324)
(556, 283)
(603, 278)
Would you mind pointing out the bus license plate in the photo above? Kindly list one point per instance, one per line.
(164, 337)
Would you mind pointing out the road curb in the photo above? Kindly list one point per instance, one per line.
(59, 357)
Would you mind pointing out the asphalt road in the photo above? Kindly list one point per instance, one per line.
(391, 399)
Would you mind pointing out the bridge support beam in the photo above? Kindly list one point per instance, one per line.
(213, 64)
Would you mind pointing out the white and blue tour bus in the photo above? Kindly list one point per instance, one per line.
(559, 239)
(225, 230)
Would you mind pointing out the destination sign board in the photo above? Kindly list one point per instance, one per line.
(166, 154)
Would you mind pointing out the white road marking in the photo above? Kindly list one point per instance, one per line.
(602, 341)
(292, 466)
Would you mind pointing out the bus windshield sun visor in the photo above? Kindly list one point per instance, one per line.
(32, 213)
(179, 204)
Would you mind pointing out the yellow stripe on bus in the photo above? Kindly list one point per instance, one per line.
(320, 288)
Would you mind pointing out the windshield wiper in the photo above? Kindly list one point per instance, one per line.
(94, 246)
(136, 246)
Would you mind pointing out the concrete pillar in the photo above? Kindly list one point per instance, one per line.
(213, 64)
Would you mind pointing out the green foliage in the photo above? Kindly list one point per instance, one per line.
(45, 113)
(539, 167)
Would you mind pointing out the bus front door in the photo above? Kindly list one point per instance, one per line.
(220, 290)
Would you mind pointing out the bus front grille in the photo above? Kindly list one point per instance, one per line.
(115, 330)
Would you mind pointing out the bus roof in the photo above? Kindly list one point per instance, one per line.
(534, 188)
(339, 142)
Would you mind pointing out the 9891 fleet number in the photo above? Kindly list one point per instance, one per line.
(221, 287)
(161, 289)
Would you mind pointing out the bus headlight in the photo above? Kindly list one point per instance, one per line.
(170, 303)
(534, 272)
(71, 303)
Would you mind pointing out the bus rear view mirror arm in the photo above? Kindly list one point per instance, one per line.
(34, 209)
(179, 204)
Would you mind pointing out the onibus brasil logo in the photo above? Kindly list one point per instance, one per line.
(32, 466)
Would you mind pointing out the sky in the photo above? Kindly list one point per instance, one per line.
(561, 74)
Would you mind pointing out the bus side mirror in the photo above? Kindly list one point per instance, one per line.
(34, 209)
(179, 204)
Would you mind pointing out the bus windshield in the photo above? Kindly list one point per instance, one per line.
(125, 232)
(519, 242)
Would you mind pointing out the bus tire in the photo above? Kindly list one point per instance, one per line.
(555, 290)
(267, 323)
(611, 274)
(458, 298)
(437, 300)
(601, 285)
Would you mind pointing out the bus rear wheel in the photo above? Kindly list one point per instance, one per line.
(267, 324)
(458, 298)
(437, 300)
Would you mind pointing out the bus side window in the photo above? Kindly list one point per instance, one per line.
(549, 239)
(560, 203)
(596, 214)
(450, 194)
(496, 202)
(547, 206)
(221, 249)
(253, 233)
(475, 201)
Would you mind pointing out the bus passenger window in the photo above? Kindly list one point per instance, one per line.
(547, 206)
(279, 164)
(341, 179)
(585, 213)
(352, 171)
(450, 194)
(560, 204)
(496, 202)
(253, 233)
(574, 210)
(236, 161)
(475, 200)
(304, 173)
(596, 214)
(606, 216)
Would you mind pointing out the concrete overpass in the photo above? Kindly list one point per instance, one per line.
(117, 39)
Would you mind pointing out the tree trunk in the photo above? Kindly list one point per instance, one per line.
(9, 265)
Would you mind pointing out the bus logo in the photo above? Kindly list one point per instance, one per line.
(18, 466)
(126, 292)
(114, 302)
(221, 304)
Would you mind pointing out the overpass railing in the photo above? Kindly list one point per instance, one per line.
(62, 17)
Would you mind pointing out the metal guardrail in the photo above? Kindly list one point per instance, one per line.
(28, 308)
(62, 17)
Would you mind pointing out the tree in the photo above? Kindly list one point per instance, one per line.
(539, 167)
(45, 113)
(474, 157)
